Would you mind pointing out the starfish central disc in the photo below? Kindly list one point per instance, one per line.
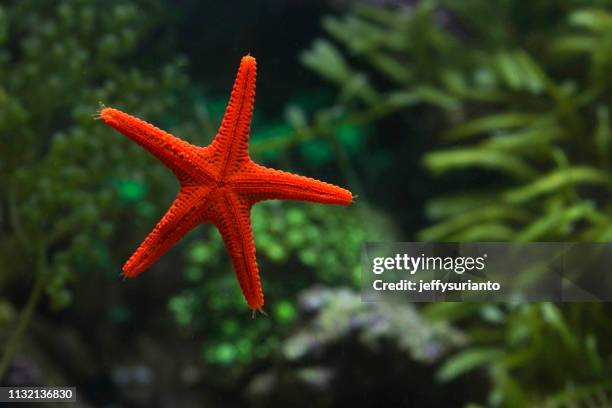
(218, 185)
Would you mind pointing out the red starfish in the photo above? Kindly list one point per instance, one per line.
(218, 184)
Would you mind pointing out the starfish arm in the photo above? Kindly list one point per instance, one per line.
(174, 153)
(268, 184)
(184, 214)
(232, 141)
(233, 220)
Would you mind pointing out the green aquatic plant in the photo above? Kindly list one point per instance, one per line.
(519, 111)
(536, 129)
(61, 202)
(299, 245)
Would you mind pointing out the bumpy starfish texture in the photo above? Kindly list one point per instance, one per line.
(218, 184)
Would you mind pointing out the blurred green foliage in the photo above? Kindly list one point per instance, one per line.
(298, 244)
(59, 193)
(66, 180)
(69, 183)
(517, 95)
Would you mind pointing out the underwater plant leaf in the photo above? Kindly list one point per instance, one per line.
(487, 232)
(446, 206)
(509, 70)
(455, 81)
(439, 162)
(520, 72)
(467, 360)
(328, 61)
(493, 212)
(391, 67)
(556, 221)
(593, 19)
(534, 140)
(555, 181)
(358, 86)
(575, 43)
(534, 78)
(401, 99)
(437, 97)
(553, 316)
(362, 36)
(491, 123)
(592, 351)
